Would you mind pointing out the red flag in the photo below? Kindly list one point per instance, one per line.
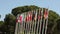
(20, 19)
(17, 20)
(39, 17)
(46, 13)
(29, 17)
(26, 18)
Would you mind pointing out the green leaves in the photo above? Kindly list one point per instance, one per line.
(22, 9)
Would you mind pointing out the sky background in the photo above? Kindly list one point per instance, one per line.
(6, 6)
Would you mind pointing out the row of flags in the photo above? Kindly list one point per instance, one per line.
(34, 15)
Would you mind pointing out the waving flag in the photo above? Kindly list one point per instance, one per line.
(17, 20)
(29, 17)
(39, 14)
(46, 13)
(35, 15)
(21, 18)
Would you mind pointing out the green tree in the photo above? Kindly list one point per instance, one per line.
(57, 27)
(1, 23)
(0, 16)
(22, 9)
(10, 23)
(52, 20)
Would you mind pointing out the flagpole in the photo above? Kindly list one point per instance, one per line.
(43, 26)
(16, 28)
(46, 23)
(38, 22)
(25, 25)
(32, 23)
(41, 21)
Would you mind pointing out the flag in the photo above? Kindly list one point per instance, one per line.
(35, 15)
(17, 20)
(21, 18)
(29, 17)
(46, 14)
(17, 26)
(39, 14)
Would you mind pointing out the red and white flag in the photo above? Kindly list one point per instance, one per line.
(29, 17)
(46, 13)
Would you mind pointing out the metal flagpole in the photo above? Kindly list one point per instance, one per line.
(16, 28)
(46, 23)
(20, 25)
(43, 26)
(32, 27)
(25, 24)
(41, 22)
(38, 22)
(34, 22)
(29, 24)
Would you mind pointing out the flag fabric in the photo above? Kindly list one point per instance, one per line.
(21, 18)
(39, 14)
(46, 23)
(46, 13)
(17, 19)
(35, 17)
(29, 17)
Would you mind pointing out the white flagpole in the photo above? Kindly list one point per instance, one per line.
(35, 22)
(43, 27)
(25, 24)
(46, 23)
(32, 23)
(16, 28)
(40, 21)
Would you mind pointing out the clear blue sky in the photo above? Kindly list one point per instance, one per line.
(7, 5)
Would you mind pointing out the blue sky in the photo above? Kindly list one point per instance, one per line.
(7, 5)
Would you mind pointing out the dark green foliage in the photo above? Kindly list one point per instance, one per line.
(9, 24)
(23, 9)
(0, 16)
